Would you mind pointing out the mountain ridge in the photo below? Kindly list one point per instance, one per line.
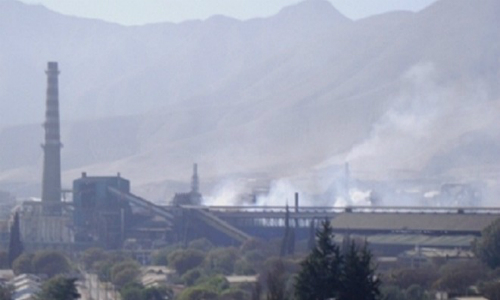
(279, 95)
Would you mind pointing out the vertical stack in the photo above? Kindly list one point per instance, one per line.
(51, 181)
(195, 181)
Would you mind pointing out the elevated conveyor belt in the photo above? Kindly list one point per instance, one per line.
(220, 225)
(198, 212)
(143, 203)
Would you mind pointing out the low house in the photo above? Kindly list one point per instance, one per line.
(26, 286)
(156, 275)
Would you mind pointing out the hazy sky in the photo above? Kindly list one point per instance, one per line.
(131, 12)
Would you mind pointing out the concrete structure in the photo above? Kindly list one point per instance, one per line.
(45, 231)
(6, 275)
(241, 279)
(51, 180)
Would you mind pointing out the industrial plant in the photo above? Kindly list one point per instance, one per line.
(104, 212)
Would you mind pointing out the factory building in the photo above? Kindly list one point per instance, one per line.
(99, 217)
(41, 231)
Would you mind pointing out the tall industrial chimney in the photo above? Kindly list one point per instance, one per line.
(51, 181)
(195, 181)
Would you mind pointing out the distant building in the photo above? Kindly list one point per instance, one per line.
(42, 231)
(420, 256)
(26, 287)
(153, 276)
(100, 218)
(241, 279)
(6, 275)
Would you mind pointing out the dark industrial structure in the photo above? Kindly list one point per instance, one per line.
(51, 180)
(100, 215)
(107, 214)
(193, 197)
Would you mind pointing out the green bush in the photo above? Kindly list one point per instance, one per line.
(217, 283)
(93, 255)
(221, 260)
(197, 293)
(160, 257)
(192, 276)
(185, 260)
(131, 292)
(125, 273)
(23, 264)
(244, 267)
(392, 292)
(202, 244)
(234, 294)
(50, 263)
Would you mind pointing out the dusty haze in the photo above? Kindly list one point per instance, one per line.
(282, 101)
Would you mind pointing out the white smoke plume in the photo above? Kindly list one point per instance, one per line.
(429, 115)
(227, 193)
(425, 118)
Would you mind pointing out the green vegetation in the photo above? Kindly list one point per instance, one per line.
(136, 291)
(5, 292)
(487, 248)
(59, 288)
(48, 263)
(23, 264)
(4, 260)
(16, 247)
(326, 274)
(358, 279)
(185, 260)
(276, 281)
(221, 260)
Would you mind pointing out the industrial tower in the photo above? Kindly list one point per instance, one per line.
(51, 180)
(195, 181)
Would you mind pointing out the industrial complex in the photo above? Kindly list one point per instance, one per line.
(104, 212)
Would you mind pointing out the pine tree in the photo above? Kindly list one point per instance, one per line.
(319, 277)
(311, 242)
(327, 273)
(358, 277)
(16, 247)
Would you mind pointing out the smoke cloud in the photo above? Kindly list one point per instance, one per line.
(424, 119)
(428, 117)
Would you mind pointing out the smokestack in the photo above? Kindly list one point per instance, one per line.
(51, 180)
(347, 179)
(195, 181)
(296, 202)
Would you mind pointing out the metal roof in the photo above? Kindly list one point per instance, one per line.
(415, 222)
(460, 241)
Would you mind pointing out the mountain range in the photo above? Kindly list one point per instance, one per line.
(399, 95)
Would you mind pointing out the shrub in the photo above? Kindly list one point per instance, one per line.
(185, 260)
